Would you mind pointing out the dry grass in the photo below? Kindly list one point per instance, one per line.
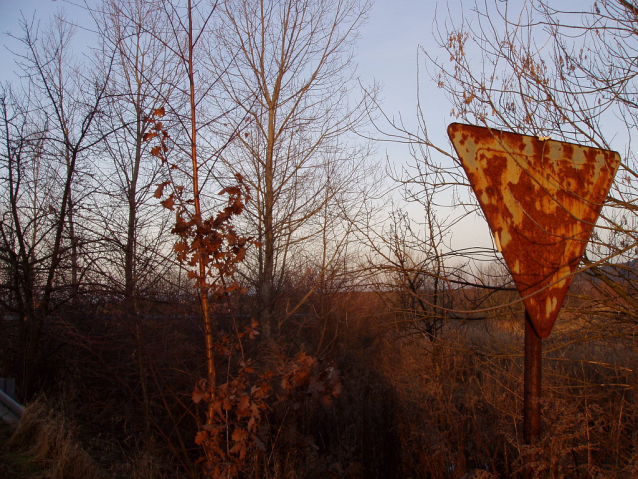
(459, 402)
(409, 408)
(43, 447)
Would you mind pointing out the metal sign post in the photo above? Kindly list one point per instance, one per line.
(541, 199)
(532, 369)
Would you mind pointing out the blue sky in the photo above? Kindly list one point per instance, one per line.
(386, 53)
(386, 50)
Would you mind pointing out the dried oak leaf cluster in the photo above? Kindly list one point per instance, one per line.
(240, 432)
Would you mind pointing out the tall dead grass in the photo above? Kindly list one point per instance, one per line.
(46, 445)
(409, 408)
(46, 442)
(459, 402)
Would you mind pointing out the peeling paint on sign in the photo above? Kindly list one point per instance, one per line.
(541, 199)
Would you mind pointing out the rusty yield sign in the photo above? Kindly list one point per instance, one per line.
(541, 199)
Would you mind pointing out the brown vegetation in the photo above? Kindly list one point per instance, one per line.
(404, 407)
(353, 343)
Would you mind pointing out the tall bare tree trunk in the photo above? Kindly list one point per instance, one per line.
(202, 286)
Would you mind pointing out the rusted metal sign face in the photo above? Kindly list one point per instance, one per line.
(541, 199)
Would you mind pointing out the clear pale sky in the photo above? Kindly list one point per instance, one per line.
(386, 53)
(387, 49)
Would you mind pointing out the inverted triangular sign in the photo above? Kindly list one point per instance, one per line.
(541, 199)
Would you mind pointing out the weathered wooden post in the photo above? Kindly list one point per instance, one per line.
(541, 199)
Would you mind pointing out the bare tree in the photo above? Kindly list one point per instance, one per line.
(48, 130)
(285, 73)
(141, 75)
(413, 251)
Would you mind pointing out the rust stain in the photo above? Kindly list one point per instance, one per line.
(541, 199)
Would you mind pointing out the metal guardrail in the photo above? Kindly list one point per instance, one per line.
(9, 406)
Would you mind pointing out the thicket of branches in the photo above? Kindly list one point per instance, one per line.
(193, 257)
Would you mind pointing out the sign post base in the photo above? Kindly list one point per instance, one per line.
(532, 383)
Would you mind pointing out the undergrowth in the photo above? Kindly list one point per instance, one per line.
(43, 447)
(381, 403)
